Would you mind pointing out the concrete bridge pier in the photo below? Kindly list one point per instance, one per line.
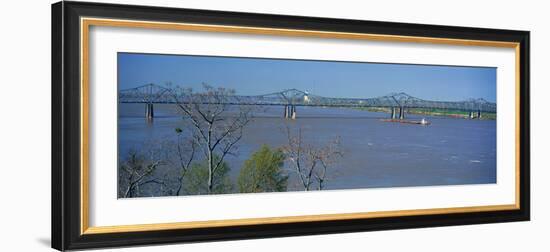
(290, 112)
(401, 113)
(393, 113)
(149, 111)
(475, 114)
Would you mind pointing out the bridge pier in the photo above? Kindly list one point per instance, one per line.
(393, 113)
(290, 112)
(401, 113)
(475, 114)
(149, 111)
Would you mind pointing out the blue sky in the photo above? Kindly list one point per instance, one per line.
(255, 76)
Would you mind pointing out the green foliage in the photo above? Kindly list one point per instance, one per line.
(196, 179)
(262, 172)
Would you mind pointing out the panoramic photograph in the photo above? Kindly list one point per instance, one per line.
(201, 125)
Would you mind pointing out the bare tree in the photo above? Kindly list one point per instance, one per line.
(185, 149)
(217, 128)
(294, 152)
(326, 156)
(311, 162)
(137, 171)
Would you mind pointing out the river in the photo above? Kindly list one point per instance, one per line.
(450, 151)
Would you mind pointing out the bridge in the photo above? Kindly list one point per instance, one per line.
(290, 99)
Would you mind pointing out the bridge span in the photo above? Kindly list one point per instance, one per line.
(290, 99)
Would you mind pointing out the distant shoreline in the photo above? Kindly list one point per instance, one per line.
(436, 112)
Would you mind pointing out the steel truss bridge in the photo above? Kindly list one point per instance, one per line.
(290, 99)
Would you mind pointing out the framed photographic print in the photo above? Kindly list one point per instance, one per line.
(179, 125)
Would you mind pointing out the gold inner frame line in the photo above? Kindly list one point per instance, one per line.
(85, 24)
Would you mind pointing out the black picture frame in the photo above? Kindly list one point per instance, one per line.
(66, 114)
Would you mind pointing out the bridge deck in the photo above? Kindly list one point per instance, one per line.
(152, 93)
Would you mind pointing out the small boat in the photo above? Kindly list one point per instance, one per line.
(424, 121)
(421, 122)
